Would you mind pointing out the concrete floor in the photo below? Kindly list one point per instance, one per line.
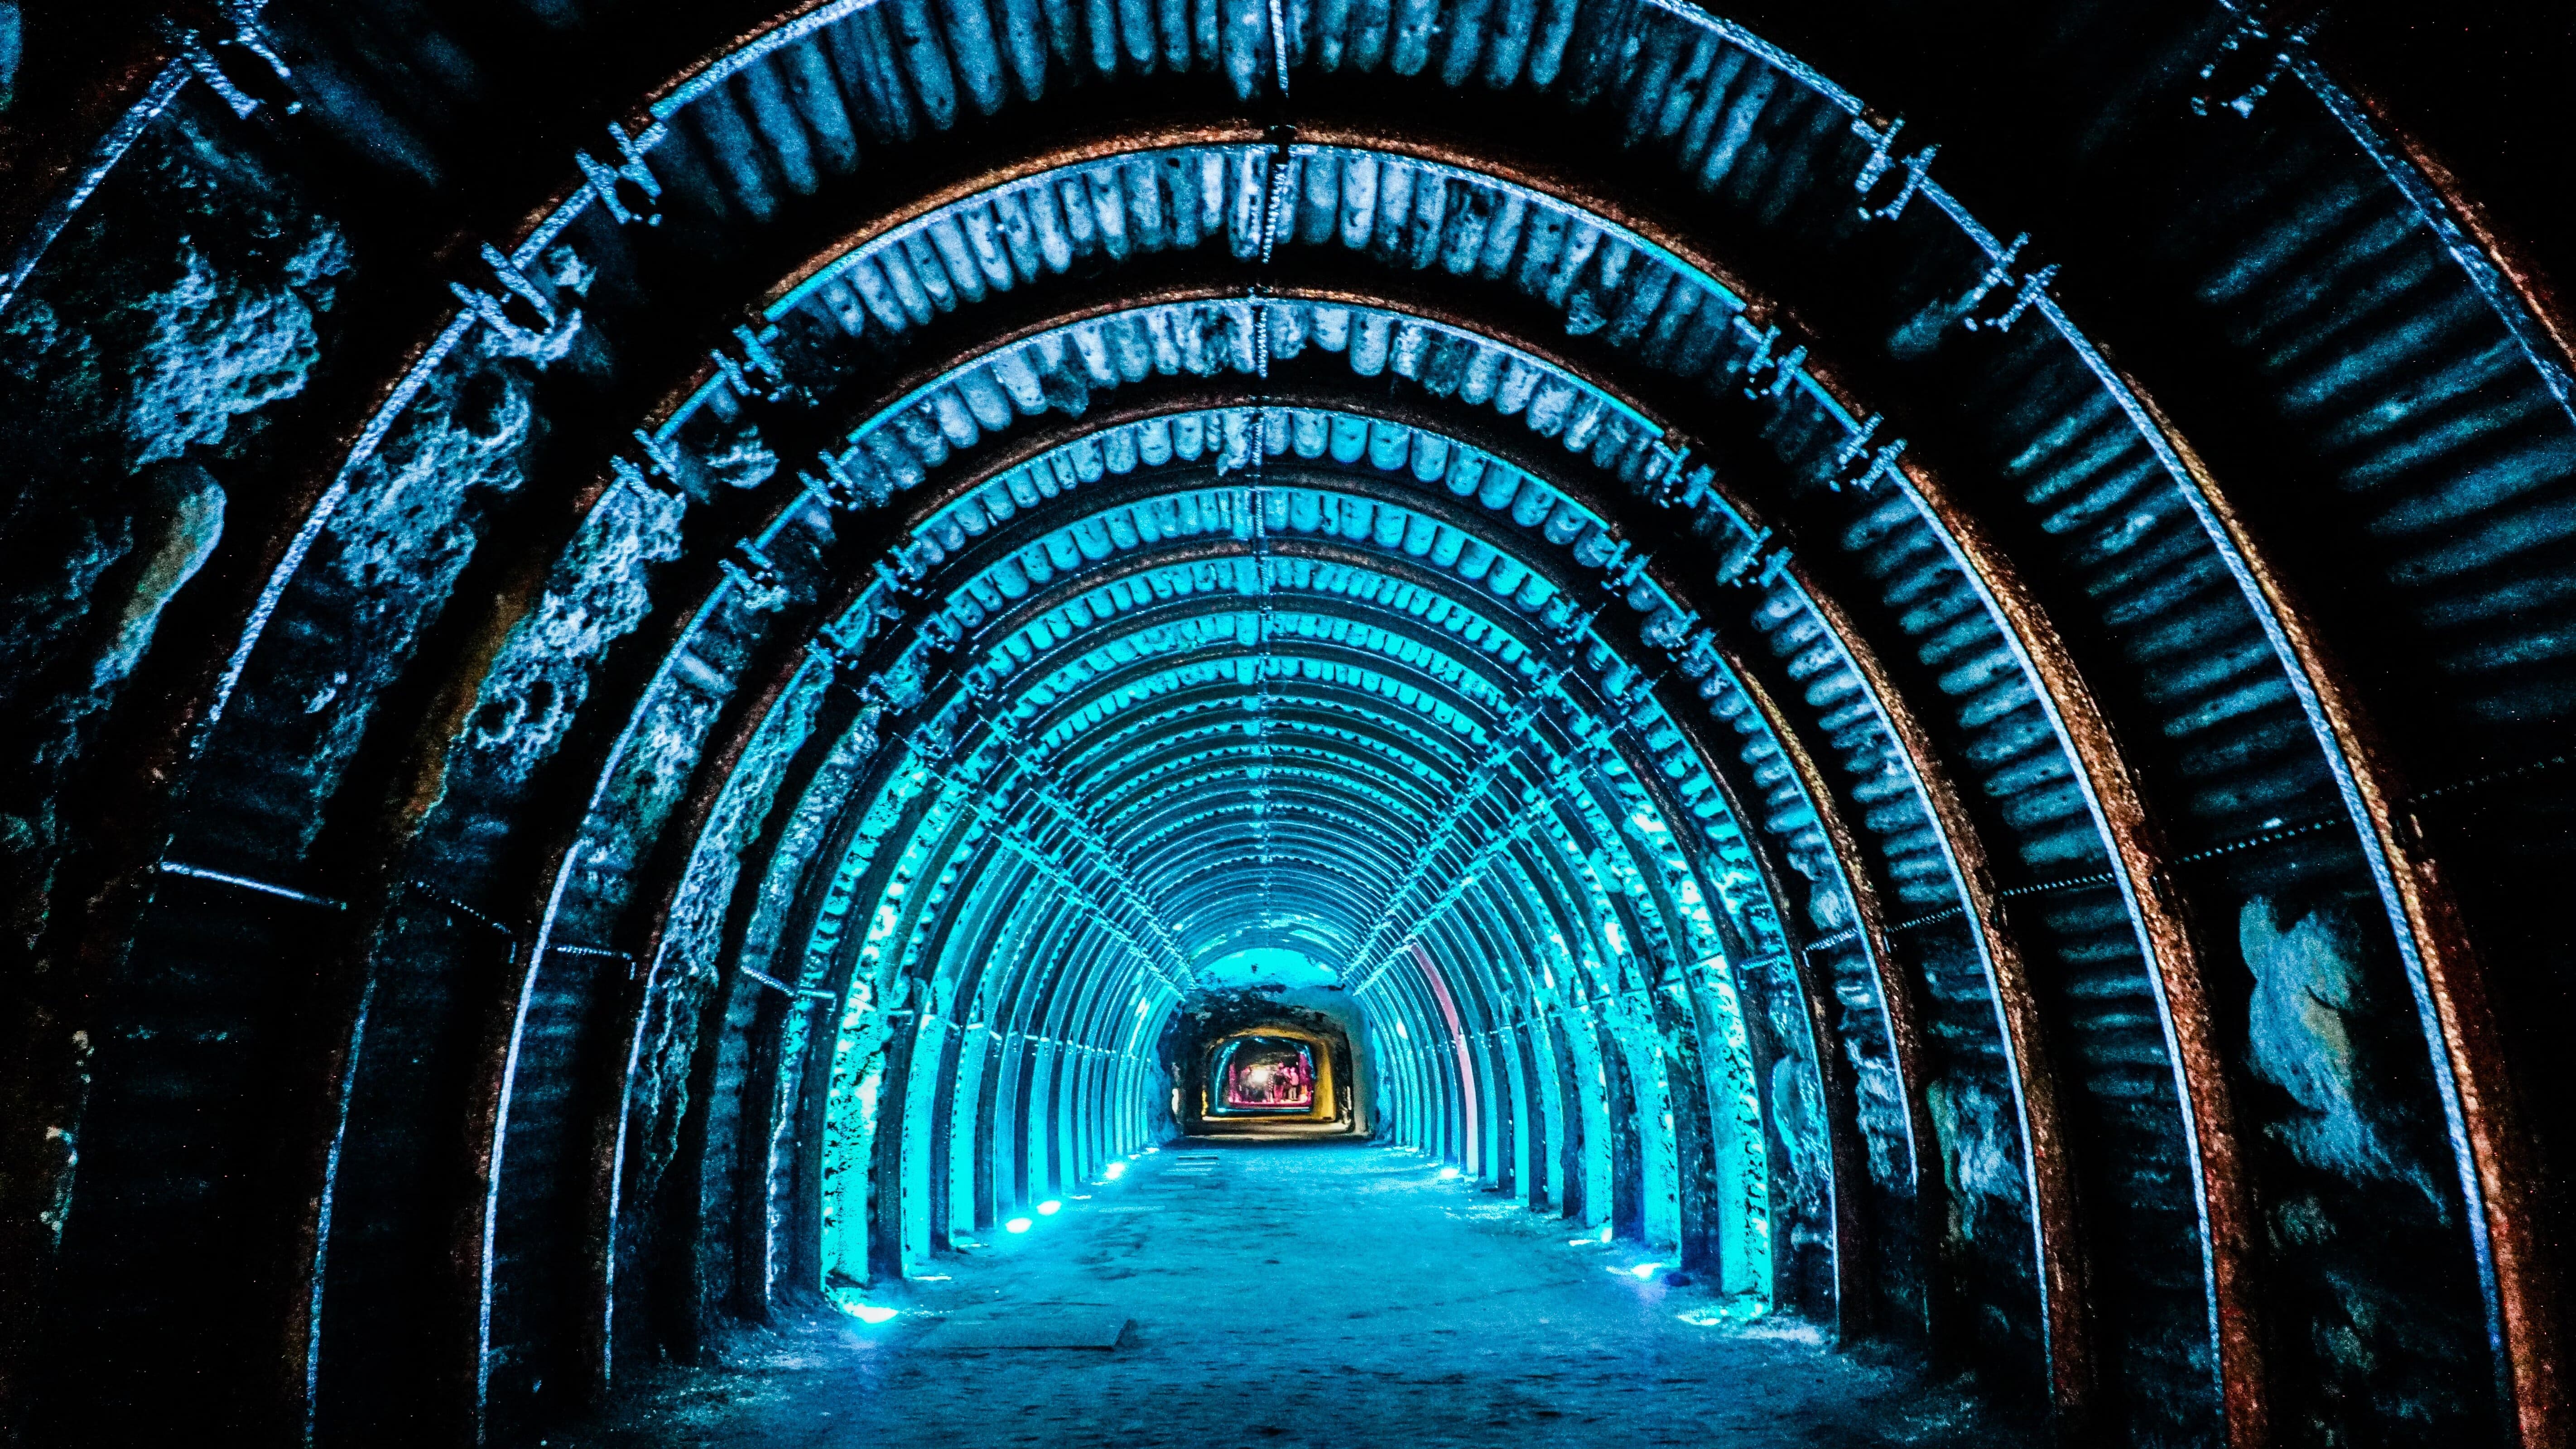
(1291, 1293)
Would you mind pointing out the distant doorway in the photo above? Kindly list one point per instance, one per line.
(1272, 1076)
(1264, 1076)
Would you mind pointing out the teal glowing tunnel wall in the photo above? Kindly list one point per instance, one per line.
(1267, 691)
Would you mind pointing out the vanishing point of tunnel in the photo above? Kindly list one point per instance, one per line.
(1768, 724)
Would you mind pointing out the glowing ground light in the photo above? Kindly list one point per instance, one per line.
(1018, 1225)
(871, 1313)
(1113, 1172)
(1738, 1311)
(1448, 1174)
(1050, 1208)
(1644, 1270)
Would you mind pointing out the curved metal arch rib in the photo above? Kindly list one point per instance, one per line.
(1822, 623)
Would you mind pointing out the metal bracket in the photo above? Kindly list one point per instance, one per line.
(756, 375)
(942, 632)
(1666, 479)
(1760, 359)
(659, 459)
(1749, 549)
(1624, 573)
(917, 740)
(629, 189)
(2033, 286)
(643, 480)
(896, 582)
(2246, 49)
(521, 308)
(1769, 373)
(523, 316)
(854, 492)
(247, 37)
(1998, 273)
(823, 495)
(1881, 160)
(835, 648)
(762, 586)
(1851, 471)
(756, 563)
(1880, 142)
(1674, 638)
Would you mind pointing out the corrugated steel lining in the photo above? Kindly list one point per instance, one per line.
(2243, 771)
(1517, 496)
(2243, 801)
(2263, 822)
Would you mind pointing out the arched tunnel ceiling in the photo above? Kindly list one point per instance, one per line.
(1558, 514)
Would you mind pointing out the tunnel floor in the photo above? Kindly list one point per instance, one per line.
(1281, 1293)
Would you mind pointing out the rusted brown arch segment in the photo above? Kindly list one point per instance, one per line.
(2229, 1234)
(2058, 1238)
(1896, 994)
(2499, 1145)
(2527, 1296)
(2511, 253)
(1895, 988)
(2527, 1302)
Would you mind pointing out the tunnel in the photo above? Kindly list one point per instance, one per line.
(1127, 722)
